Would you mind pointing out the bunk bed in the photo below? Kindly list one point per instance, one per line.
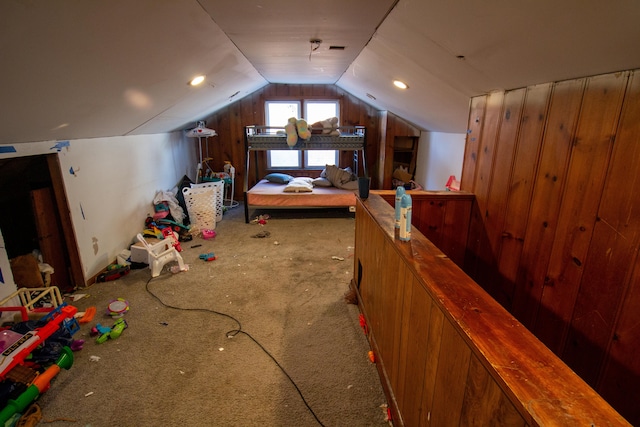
(266, 195)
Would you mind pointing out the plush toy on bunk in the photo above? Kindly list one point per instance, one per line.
(296, 128)
(326, 127)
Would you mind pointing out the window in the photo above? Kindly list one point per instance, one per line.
(278, 112)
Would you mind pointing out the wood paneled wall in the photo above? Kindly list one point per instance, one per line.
(229, 123)
(442, 216)
(449, 354)
(555, 230)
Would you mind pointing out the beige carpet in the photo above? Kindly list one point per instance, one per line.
(177, 367)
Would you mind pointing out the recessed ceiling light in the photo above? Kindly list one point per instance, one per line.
(400, 84)
(196, 80)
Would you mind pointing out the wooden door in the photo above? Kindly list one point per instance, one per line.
(50, 237)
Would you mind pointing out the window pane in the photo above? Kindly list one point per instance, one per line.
(321, 158)
(278, 112)
(284, 158)
(316, 111)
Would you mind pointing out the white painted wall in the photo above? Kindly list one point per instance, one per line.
(439, 156)
(110, 185)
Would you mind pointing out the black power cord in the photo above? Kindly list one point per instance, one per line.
(232, 333)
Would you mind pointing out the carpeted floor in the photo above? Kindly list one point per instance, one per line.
(175, 364)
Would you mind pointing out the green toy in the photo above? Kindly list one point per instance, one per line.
(104, 333)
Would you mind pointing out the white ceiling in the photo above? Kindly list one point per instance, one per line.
(89, 68)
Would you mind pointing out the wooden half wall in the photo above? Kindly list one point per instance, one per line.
(448, 354)
(555, 229)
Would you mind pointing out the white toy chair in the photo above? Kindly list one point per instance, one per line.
(160, 254)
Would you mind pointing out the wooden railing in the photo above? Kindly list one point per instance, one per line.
(447, 353)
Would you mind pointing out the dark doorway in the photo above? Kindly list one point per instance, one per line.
(30, 215)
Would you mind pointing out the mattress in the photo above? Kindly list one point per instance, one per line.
(267, 194)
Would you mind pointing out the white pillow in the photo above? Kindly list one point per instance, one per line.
(339, 177)
(322, 182)
(299, 185)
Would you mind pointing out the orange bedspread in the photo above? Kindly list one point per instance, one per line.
(267, 194)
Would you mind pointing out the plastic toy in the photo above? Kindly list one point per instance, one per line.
(166, 221)
(88, 315)
(168, 233)
(19, 350)
(118, 308)
(39, 385)
(104, 333)
(160, 254)
(208, 257)
(114, 272)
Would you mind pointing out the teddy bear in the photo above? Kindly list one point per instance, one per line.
(326, 127)
(292, 133)
(303, 129)
(296, 128)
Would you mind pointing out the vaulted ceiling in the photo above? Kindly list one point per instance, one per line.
(88, 68)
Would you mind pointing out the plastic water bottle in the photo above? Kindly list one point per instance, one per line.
(399, 193)
(405, 218)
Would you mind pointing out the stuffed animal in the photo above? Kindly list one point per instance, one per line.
(326, 127)
(303, 129)
(292, 133)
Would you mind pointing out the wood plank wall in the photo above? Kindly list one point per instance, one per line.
(229, 123)
(449, 354)
(442, 216)
(555, 230)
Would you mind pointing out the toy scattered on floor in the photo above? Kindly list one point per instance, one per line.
(39, 385)
(117, 307)
(104, 333)
(77, 345)
(208, 234)
(208, 256)
(87, 315)
(168, 233)
(39, 337)
(114, 272)
(175, 269)
(156, 228)
(261, 219)
(363, 324)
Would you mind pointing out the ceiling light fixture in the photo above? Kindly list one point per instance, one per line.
(196, 80)
(400, 84)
